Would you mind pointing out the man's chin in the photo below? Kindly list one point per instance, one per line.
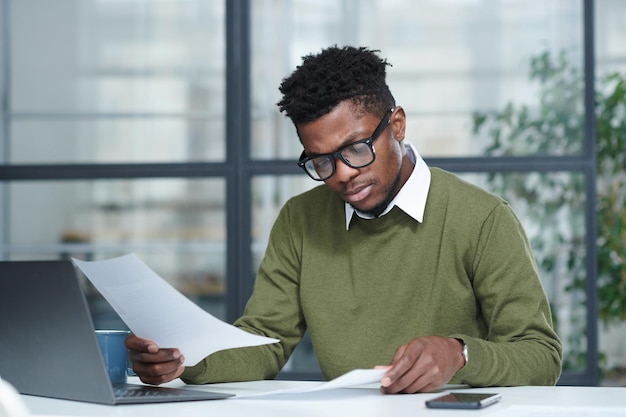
(378, 209)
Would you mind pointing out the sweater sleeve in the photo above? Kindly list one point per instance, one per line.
(273, 310)
(521, 347)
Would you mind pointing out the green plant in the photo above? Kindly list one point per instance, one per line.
(556, 200)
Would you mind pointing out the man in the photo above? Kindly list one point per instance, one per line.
(388, 263)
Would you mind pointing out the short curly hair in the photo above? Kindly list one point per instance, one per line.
(333, 76)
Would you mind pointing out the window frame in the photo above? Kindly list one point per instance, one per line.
(239, 169)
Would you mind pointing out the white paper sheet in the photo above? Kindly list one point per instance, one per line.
(351, 379)
(153, 309)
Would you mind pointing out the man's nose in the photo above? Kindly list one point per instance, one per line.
(344, 172)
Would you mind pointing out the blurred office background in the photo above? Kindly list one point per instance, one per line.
(150, 126)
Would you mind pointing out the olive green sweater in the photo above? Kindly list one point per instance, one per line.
(467, 272)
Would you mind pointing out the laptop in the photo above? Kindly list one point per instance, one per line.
(48, 345)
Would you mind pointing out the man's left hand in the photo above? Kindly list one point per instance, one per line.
(422, 365)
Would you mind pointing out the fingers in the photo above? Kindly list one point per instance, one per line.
(140, 345)
(158, 373)
(151, 364)
(396, 368)
(423, 364)
(412, 375)
(407, 374)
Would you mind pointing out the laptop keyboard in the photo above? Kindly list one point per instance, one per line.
(138, 394)
(144, 392)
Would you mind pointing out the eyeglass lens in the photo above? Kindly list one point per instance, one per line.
(355, 155)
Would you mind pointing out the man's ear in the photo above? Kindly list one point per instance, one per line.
(398, 123)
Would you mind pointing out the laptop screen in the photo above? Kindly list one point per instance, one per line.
(49, 347)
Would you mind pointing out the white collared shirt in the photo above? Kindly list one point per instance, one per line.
(412, 196)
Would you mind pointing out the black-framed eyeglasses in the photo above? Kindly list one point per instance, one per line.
(357, 154)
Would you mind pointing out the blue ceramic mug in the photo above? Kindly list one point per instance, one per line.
(114, 353)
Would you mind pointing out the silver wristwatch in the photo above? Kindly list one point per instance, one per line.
(464, 352)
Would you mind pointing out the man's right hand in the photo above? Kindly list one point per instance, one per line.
(153, 365)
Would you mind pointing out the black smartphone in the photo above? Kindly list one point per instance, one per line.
(463, 400)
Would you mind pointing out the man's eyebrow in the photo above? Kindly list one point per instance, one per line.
(351, 138)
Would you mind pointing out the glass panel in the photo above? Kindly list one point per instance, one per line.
(123, 140)
(118, 56)
(449, 59)
(551, 207)
(176, 226)
(610, 35)
(111, 81)
(2, 83)
(611, 186)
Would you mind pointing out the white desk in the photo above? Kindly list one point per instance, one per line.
(362, 401)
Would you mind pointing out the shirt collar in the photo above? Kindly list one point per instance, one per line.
(412, 196)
